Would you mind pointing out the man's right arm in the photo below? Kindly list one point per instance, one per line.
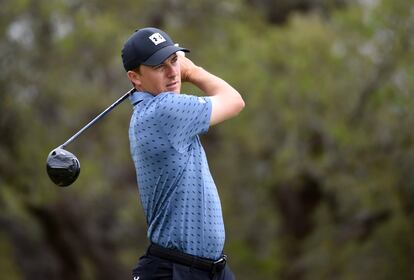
(226, 101)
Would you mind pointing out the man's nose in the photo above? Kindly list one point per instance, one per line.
(172, 70)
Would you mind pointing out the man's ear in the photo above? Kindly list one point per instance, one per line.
(134, 78)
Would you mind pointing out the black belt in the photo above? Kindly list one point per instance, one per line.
(188, 260)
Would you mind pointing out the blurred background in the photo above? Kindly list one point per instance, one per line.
(315, 175)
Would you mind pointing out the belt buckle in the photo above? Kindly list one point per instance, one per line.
(219, 264)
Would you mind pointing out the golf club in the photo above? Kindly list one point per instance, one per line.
(62, 166)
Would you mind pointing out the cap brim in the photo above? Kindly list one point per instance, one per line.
(161, 55)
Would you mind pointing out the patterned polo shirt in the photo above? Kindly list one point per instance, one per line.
(177, 191)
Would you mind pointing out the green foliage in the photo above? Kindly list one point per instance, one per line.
(315, 175)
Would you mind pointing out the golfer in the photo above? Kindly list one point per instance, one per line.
(177, 191)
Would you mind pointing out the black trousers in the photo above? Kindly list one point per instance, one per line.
(151, 268)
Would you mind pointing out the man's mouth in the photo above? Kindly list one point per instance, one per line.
(172, 85)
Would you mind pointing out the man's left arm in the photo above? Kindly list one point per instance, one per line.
(226, 101)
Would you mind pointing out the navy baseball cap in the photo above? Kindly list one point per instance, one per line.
(148, 46)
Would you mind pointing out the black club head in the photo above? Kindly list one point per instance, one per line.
(62, 167)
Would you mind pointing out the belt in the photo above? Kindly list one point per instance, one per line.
(187, 259)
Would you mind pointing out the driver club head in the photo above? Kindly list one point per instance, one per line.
(62, 167)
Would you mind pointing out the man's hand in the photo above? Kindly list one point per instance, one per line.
(187, 68)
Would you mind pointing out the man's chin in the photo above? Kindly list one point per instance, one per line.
(164, 91)
(175, 89)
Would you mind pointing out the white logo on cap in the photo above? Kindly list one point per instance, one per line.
(157, 38)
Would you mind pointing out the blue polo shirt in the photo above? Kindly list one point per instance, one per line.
(177, 191)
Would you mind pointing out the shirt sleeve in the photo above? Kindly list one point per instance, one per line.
(182, 117)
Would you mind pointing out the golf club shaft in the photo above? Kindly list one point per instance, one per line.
(98, 117)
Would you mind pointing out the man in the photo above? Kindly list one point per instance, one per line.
(178, 194)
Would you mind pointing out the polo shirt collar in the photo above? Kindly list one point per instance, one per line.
(138, 96)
